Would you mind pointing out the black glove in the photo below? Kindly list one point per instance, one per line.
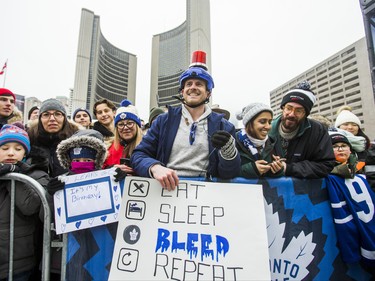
(226, 143)
(120, 175)
(55, 185)
(8, 168)
(220, 138)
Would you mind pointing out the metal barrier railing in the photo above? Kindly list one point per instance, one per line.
(46, 258)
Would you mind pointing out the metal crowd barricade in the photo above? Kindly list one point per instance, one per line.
(46, 258)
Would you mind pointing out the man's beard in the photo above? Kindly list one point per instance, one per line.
(290, 124)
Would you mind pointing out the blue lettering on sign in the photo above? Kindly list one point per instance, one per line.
(284, 267)
(191, 245)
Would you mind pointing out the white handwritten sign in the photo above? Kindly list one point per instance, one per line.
(200, 231)
(88, 200)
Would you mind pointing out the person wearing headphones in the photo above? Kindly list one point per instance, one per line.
(191, 140)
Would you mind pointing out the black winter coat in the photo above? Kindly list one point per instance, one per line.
(310, 154)
(27, 208)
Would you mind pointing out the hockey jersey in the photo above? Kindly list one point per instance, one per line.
(352, 202)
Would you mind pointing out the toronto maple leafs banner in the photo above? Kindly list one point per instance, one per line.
(301, 233)
(200, 231)
(302, 241)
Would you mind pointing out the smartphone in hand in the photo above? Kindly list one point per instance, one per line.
(125, 161)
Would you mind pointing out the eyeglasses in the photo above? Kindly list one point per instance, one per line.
(193, 129)
(340, 147)
(47, 115)
(129, 125)
(297, 111)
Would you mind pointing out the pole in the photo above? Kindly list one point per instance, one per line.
(5, 72)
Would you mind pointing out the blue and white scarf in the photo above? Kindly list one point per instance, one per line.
(252, 144)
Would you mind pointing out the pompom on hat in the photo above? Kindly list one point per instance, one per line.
(127, 111)
(6, 92)
(252, 110)
(10, 133)
(301, 95)
(346, 116)
(52, 104)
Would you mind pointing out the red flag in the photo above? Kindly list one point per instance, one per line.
(3, 69)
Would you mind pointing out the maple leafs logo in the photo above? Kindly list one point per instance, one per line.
(292, 261)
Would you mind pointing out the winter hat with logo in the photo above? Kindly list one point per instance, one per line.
(127, 111)
(337, 137)
(52, 104)
(346, 116)
(252, 110)
(81, 109)
(302, 95)
(82, 152)
(86, 143)
(10, 133)
(6, 92)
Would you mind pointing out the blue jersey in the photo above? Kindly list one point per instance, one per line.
(352, 202)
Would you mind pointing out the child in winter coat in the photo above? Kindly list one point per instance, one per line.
(84, 152)
(14, 147)
(345, 160)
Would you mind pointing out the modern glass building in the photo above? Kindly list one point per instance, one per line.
(172, 51)
(103, 71)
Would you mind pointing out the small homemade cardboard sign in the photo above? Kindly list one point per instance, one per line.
(88, 200)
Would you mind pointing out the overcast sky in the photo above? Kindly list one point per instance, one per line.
(256, 45)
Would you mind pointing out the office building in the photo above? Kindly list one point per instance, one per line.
(103, 71)
(172, 51)
(342, 79)
(29, 103)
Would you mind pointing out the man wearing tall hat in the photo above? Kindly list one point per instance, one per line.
(191, 140)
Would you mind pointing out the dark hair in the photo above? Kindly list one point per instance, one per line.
(362, 134)
(110, 104)
(37, 132)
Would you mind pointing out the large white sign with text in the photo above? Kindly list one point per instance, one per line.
(200, 231)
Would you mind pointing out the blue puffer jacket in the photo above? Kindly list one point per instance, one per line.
(156, 145)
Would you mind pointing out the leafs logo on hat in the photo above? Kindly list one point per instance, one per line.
(123, 115)
(296, 98)
(77, 150)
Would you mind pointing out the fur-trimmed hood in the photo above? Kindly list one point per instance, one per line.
(89, 138)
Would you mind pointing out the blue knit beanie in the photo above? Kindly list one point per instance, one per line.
(10, 133)
(127, 111)
(82, 152)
